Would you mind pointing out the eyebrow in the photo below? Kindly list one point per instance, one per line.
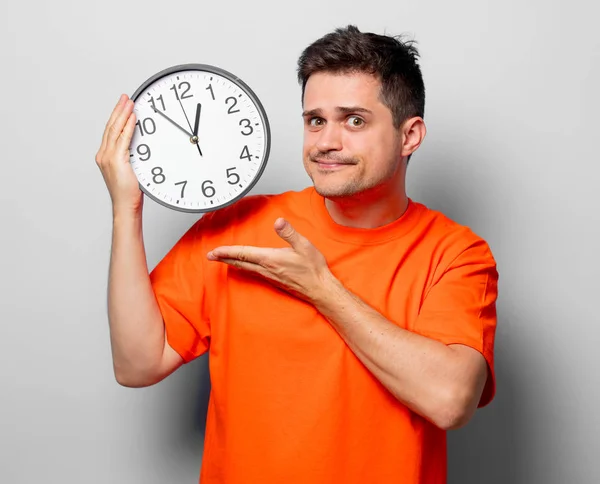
(339, 109)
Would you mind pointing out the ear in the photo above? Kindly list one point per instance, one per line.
(413, 132)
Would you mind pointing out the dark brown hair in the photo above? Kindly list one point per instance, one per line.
(391, 60)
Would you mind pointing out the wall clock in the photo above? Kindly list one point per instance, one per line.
(201, 138)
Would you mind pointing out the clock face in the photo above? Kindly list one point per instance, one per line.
(201, 138)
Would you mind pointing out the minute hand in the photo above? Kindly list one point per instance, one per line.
(172, 122)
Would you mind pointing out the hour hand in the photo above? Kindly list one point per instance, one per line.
(197, 123)
(171, 121)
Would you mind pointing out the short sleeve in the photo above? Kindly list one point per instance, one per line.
(460, 308)
(178, 285)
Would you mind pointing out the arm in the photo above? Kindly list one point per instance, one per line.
(437, 369)
(443, 383)
(141, 355)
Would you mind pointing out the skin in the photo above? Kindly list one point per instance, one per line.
(140, 353)
(345, 121)
(356, 158)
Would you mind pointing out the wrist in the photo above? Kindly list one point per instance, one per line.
(128, 212)
(328, 290)
(126, 216)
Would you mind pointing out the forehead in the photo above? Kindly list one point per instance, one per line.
(328, 90)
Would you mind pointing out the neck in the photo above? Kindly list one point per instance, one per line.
(368, 210)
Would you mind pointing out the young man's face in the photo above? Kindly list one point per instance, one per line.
(350, 142)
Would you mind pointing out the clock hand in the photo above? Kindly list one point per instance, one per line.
(193, 138)
(196, 125)
(171, 121)
(198, 109)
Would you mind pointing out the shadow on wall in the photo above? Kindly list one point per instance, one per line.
(199, 391)
(186, 407)
(487, 449)
(490, 448)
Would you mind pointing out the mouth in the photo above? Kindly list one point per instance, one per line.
(328, 164)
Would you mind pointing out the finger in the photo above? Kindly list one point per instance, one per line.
(111, 120)
(114, 131)
(285, 230)
(125, 139)
(240, 253)
(247, 266)
(250, 267)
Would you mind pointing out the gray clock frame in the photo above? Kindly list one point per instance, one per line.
(261, 112)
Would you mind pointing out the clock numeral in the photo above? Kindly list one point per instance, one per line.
(146, 151)
(230, 174)
(143, 125)
(247, 125)
(246, 153)
(231, 110)
(209, 88)
(183, 96)
(159, 98)
(158, 175)
(184, 183)
(208, 190)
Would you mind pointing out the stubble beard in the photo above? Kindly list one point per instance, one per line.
(347, 188)
(344, 188)
(353, 185)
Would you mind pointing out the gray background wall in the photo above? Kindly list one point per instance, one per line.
(512, 151)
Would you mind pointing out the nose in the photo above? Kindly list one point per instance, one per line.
(330, 138)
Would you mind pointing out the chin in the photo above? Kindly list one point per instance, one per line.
(335, 185)
(330, 190)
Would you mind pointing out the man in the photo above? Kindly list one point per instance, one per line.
(348, 326)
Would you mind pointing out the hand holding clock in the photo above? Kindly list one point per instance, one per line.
(113, 159)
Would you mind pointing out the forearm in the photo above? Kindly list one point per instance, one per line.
(137, 330)
(423, 374)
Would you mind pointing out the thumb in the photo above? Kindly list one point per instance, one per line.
(285, 230)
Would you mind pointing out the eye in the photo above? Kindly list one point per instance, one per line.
(355, 121)
(315, 122)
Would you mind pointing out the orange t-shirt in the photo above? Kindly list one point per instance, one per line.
(290, 403)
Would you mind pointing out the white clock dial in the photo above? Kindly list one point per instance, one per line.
(201, 138)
